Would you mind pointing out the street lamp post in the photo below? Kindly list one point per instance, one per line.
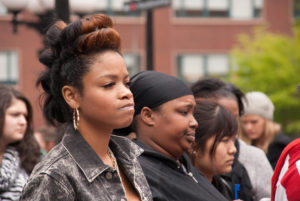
(62, 10)
(149, 40)
(47, 11)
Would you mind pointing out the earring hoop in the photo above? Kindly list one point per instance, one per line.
(76, 118)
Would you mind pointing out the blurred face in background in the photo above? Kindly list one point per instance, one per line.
(231, 104)
(253, 126)
(227, 102)
(15, 123)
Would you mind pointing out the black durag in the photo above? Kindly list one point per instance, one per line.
(151, 89)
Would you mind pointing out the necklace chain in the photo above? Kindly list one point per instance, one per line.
(112, 158)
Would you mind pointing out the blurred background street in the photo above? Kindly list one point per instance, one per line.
(253, 43)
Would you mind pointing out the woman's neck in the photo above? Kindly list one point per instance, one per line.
(258, 142)
(208, 176)
(98, 138)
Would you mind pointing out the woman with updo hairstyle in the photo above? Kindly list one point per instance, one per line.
(19, 151)
(86, 86)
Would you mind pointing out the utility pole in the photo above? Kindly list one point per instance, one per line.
(62, 10)
(148, 6)
(149, 40)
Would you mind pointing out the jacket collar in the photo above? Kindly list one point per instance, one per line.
(149, 152)
(87, 159)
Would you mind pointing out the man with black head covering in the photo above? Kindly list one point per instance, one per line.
(165, 128)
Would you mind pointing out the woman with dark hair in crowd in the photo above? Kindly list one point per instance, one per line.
(19, 151)
(165, 128)
(87, 84)
(213, 151)
(251, 168)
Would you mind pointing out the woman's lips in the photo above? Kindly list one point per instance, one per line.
(127, 107)
(230, 162)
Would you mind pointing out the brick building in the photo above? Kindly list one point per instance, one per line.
(191, 39)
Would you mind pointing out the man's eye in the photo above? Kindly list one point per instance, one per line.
(183, 112)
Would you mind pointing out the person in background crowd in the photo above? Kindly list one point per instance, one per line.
(286, 178)
(251, 168)
(165, 128)
(214, 149)
(258, 127)
(47, 137)
(19, 151)
(86, 85)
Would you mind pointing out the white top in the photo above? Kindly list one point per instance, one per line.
(259, 169)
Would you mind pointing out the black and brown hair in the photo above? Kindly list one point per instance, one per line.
(28, 147)
(213, 120)
(215, 88)
(70, 50)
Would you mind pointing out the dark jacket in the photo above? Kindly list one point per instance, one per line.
(276, 147)
(223, 187)
(238, 175)
(73, 171)
(170, 181)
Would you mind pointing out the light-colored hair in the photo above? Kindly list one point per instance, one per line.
(271, 130)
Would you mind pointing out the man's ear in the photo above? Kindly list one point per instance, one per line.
(71, 96)
(147, 116)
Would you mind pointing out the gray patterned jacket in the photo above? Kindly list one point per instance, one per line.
(73, 171)
(12, 176)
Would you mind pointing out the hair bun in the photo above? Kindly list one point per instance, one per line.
(95, 22)
(52, 42)
(98, 33)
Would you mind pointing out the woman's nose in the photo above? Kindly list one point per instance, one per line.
(232, 148)
(22, 119)
(125, 93)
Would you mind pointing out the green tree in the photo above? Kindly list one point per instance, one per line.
(270, 63)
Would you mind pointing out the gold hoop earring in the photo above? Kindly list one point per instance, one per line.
(76, 118)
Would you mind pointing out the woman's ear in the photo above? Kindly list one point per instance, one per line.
(71, 96)
(147, 116)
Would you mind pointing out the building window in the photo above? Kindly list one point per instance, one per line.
(296, 8)
(192, 67)
(9, 67)
(133, 62)
(115, 7)
(235, 9)
(3, 10)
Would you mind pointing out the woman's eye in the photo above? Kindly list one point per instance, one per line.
(128, 84)
(109, 85)
(14, 114)
(225, 140)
